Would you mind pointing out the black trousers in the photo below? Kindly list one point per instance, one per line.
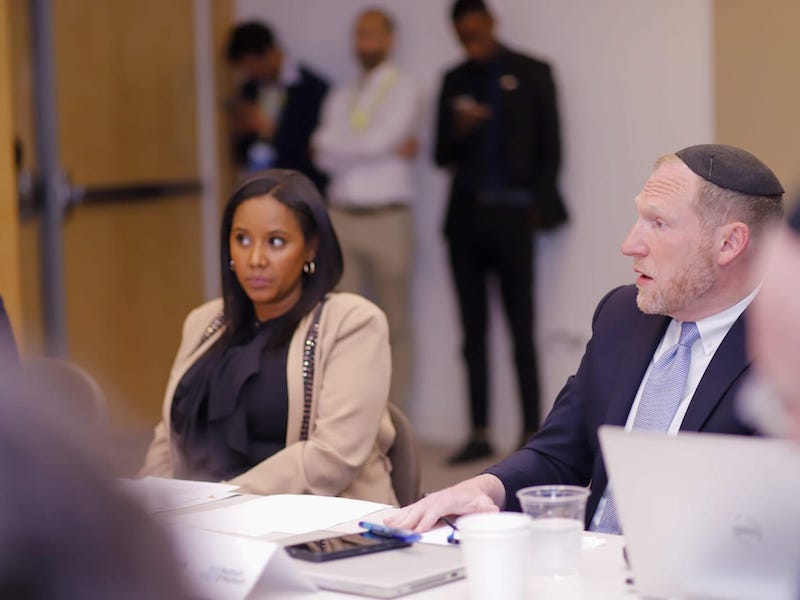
(497, 243)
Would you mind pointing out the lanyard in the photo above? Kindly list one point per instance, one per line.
(361, 113)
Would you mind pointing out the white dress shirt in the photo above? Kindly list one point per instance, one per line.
(362, 126)
(712, 330)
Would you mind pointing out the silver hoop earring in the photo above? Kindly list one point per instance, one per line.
(309, 268)
(232, 265)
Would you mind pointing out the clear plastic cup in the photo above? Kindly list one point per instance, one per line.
(558, 513)
(496, 547)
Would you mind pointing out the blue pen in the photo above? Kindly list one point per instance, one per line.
(390, 532)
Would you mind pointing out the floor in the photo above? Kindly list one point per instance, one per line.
(437, 474)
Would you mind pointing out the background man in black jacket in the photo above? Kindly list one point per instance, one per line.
(498, 135)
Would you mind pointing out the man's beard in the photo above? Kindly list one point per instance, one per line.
(370, 60)
(683, 289)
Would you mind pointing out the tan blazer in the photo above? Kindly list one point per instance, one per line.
(350, 429)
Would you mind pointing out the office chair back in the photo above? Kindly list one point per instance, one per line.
(70, 385)
(405, 459)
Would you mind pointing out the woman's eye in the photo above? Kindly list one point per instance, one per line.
(659, 223)
(242, 239)
(276, 242)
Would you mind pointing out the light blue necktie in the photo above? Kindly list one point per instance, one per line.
(661, 397)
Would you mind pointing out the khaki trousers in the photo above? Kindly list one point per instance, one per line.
(377, 249)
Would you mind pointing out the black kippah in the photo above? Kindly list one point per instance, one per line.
(731, 168)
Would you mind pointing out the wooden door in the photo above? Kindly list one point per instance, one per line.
(125, 76)
(10, 280)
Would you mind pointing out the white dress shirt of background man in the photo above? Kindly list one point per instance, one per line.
(366, 142)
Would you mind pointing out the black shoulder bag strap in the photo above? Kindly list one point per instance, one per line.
(210, 330)
(309, 353)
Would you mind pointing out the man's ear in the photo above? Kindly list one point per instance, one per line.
(733, 239)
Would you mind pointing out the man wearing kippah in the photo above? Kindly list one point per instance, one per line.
(667, 354)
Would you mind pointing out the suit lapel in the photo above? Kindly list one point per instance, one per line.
(635, 357)
(729, 361)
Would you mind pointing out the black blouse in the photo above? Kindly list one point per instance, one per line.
(230, 409)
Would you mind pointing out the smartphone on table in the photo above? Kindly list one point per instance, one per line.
(343, 546)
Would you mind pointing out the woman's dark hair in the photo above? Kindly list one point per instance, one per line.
(249, 38)
(296, 191)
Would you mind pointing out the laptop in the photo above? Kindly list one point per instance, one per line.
(706, 515)
(388, 574)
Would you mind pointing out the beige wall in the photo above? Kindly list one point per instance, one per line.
(757, 55)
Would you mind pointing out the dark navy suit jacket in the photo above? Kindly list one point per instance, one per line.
(623, 342)
(299, 119)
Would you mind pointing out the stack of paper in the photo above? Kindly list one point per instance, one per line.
(282, 513)
(440, 534)
(158, 494)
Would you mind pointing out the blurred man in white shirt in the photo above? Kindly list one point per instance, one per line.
(366, 143)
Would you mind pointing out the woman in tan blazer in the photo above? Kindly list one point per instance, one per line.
(281, 386)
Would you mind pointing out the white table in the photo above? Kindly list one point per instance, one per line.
(602, 576)
(602, 573)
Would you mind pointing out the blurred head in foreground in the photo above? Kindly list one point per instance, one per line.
(65, 531)
(775, 334)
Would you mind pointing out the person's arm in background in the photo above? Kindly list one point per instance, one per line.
(248, 120)
(353, 394)
(242, 110)
(459, 119)
(337, 147)
(8, 347)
